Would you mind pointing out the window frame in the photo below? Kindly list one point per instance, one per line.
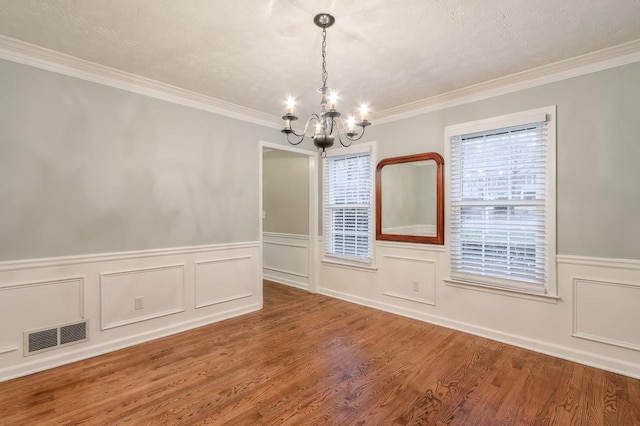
(370, 148)
(549, 288)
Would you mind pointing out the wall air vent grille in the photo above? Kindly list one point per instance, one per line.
(37, 341)
(41, 340)
(73, 333)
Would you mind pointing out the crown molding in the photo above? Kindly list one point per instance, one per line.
(36, 56)
(599, 60)
(29, 54)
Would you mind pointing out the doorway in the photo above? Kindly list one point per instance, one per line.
(288, 215)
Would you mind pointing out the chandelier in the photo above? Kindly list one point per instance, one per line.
(328, 122)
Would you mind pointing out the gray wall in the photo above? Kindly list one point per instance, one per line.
(598, 154)
(286, 192)
(86, 168)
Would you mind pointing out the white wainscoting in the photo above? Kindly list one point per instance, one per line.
(607, 312)
(56, 301)
(176, 289)
(286, 259)
(594, 322)
(409, 278)
(160, 291)
(223, 280)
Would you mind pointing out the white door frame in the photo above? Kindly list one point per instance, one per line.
(313, 208)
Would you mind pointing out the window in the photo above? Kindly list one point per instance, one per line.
(348, 203)
(502, 201)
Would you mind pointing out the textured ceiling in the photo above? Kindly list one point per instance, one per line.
(387, 53)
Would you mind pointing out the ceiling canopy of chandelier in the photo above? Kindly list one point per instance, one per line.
(328, 122)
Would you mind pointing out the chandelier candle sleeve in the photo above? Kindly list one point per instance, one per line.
(328, 123)
(363, 112)
(351, 124)
(290, 105)
(333, 100)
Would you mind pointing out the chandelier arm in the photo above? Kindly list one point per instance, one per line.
(354, 139)
(298, 142)
(300, 135)
(345, 132)
(339, 126)
(311, 118)
(346, 145)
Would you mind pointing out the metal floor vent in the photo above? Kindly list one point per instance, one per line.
(37, 341)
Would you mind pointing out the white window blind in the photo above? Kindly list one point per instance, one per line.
(348, 195)
(499, 214)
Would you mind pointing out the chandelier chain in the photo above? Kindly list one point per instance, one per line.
(325, 74)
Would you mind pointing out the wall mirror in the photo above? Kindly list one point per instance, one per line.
(410, 199)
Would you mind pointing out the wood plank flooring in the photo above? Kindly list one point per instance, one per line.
(311, 359)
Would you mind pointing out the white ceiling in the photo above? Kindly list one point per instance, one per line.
(388, 53)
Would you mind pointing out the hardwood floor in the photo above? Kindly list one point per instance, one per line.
(311, 359)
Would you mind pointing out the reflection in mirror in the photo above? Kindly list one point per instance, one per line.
(407, 208)
(409, 199)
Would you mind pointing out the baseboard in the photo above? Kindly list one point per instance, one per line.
(569, 354)
(86, 352)
(285, 281)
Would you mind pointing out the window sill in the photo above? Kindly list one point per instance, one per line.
(335, 263)
(511, 292)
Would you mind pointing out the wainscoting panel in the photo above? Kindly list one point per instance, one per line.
(39, 304)
(138, 295)
(607, 312)
(409, 278)
(223, 280)
(286, 258)
(126, 298)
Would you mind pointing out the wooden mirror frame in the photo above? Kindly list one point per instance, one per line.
(439, 237)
